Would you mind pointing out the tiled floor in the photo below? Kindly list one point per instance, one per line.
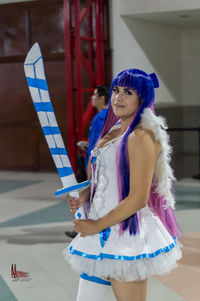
(32, 226)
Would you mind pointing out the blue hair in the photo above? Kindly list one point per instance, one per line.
(144, 85)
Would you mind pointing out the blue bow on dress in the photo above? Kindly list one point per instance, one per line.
(104, 235)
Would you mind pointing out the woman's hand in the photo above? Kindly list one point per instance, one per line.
(86, 227)
(74, 203)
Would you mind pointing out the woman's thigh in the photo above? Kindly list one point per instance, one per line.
(129, 291)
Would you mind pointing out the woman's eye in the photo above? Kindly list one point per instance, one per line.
(128, 92)
(115, 90)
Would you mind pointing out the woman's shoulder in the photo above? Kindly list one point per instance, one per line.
(142, 133)
(142, 137)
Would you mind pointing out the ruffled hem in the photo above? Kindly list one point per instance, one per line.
(103, 255)
(126, 270)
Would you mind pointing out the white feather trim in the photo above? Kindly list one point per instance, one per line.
(163, 172)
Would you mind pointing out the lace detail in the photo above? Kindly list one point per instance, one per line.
(100, 178)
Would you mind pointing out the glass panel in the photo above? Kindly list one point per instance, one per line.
(47, 25)
(13, 33)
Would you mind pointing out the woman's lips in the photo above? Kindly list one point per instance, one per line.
(119, 106)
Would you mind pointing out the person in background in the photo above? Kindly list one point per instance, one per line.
(100, 100)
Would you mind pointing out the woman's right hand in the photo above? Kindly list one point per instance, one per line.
(74, 203)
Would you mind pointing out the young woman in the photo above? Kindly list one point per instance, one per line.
(131, 231)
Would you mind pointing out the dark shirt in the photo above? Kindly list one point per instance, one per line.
(95, 131)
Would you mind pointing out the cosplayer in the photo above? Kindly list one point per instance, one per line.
(131, 229)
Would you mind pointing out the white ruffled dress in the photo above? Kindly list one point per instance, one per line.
(123, 256)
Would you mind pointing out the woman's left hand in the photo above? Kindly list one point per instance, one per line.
(85, 227)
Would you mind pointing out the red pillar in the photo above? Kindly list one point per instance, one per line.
(90, 64)
(71, 148)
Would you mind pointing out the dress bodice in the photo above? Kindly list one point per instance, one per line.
(104, 179)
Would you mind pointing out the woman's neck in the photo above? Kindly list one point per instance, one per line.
(125, 123)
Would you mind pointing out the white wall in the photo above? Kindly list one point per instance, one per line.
(150, 47)
(190, 44)
(172, 50)
(130, 7)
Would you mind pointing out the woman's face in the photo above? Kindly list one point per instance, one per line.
(125, 101)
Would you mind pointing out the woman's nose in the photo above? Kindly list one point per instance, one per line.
(119, 97)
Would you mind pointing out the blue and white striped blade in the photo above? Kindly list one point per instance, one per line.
(35, 75)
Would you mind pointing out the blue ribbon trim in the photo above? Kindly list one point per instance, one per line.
(71, 188)
(101, 256)
(104, 235)
(95, 279)
(93, 160)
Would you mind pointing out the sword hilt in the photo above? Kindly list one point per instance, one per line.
(80, 211)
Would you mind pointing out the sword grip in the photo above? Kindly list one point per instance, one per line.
(74, 194)
(80, 211)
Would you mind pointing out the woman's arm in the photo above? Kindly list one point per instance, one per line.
(142, 156)
(89, 169)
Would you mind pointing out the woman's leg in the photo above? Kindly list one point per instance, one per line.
(92, 288)
(129, 291)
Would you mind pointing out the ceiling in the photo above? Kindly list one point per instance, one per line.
(179, 19)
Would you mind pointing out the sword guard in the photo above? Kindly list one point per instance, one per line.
(78, 186)
(74, 191)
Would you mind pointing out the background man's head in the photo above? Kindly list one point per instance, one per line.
(100, 97)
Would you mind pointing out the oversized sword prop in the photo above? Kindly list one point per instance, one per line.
(35, 75)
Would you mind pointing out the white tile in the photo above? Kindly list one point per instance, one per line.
(42, 293)
(71, 288)
(52, 277)
(156, 289)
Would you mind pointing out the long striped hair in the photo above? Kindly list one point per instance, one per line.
(144, 85)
